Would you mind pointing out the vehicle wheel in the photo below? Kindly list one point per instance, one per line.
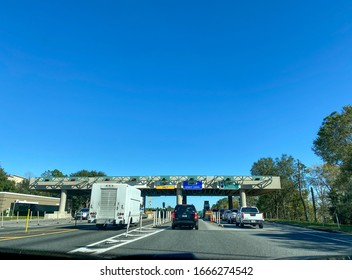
(237, 224)
(196, 227)
(261, 225)
(242, 225)
(173, 226)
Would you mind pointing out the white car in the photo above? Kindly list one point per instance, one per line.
(249, 216)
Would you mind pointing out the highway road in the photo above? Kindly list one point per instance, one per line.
(209, 242)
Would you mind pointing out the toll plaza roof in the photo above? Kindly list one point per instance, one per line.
(197, 185)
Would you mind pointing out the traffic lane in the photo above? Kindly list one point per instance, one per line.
(214, 242)
(209, 242)
(56, 239)
(300, 242)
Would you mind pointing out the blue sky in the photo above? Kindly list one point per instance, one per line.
(168, 87)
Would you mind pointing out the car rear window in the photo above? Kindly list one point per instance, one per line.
(185, 208)
(250, 209)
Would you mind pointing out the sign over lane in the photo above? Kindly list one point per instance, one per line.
(254, 185)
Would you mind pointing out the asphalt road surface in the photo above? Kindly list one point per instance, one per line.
(209, 242)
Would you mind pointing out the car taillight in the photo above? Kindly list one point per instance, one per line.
(195, 216)
(242, 215)
(173, 216)
(263, 216)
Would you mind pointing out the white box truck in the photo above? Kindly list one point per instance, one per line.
(114, 204)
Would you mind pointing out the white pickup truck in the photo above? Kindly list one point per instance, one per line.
(249, 215)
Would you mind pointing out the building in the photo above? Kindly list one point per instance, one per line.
(17, 179)
(21, 202)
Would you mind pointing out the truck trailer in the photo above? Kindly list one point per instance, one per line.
(114, 204)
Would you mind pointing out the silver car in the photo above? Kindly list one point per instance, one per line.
(231, 218)
(226, 214)
(82, 214)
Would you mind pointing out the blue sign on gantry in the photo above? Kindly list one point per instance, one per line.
(192, 185)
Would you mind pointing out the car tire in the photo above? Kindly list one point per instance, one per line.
(173, 226)
(196, 227)
(261, 225)
(242, 225)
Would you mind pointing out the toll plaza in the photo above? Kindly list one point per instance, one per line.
(169, 185)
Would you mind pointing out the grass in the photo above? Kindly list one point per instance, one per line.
(313, 225)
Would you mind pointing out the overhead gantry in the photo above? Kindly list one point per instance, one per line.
(169, 185)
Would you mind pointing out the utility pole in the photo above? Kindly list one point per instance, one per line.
(314, 208)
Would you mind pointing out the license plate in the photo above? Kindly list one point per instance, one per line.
(253, 221)
(184, 216)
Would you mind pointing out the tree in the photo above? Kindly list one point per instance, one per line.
(334, 146)
(301, 170)
(322, 178)
(82, 200)
(221, 204)
(290, 201)
(334, 141)
(5, 184)
(86, 173)
(52, 173)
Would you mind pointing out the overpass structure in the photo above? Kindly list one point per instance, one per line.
(179, 186)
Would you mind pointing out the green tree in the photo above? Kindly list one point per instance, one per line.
(323, 178)
(5, 184)
(86, 173)
(334, 141)
(221, 204)
(52, 173)
(290, 201)
(82, 200)
(334, 146)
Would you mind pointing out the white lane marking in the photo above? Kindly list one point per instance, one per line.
(110, 240)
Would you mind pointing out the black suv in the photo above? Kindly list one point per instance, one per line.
(185, 215)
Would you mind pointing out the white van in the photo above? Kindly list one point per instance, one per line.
(114, 204)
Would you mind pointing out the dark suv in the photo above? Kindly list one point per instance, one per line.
(185, 215)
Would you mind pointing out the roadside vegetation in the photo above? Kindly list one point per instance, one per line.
(316, 195)
(318, 226)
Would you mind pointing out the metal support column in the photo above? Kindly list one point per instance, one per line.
(184, 199)
(229, 198)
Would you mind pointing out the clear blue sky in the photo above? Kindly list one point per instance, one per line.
(168, 87)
